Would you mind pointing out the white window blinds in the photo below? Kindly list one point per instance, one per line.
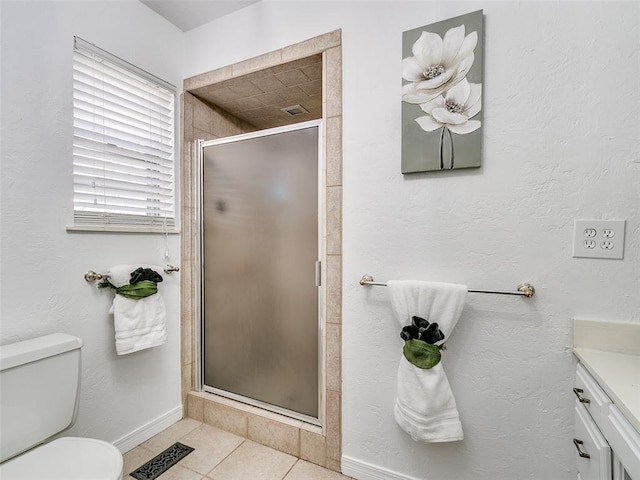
(123, 145)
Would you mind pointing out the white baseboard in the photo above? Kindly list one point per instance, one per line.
(145, 432)
(366, 471)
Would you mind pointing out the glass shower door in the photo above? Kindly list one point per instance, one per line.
(260, 247)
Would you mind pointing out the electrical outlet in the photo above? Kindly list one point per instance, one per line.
(598, 238)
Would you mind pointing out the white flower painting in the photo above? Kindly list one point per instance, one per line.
(442, 95)
(437, 64)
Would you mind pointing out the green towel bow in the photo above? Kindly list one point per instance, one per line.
(421, 354)
(420, 338)
(136, 291)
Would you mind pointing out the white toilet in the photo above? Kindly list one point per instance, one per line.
(39, 391)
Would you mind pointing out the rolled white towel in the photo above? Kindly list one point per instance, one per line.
(425, 407)
(138, 324)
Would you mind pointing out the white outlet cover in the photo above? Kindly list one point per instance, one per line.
(609, 238)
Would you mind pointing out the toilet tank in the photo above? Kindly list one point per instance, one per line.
(39, 386)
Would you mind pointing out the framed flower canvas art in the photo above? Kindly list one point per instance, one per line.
(442, 95)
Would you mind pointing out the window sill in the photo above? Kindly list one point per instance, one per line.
(115, 229)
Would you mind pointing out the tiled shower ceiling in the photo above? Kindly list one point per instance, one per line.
(258, 98)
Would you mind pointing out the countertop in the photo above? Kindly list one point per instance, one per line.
(610, 351)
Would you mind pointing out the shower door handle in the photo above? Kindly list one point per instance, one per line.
(318, 273)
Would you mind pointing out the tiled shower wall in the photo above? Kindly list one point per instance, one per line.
(318, 445)
(207, 122)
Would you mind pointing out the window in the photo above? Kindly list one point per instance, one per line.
(123, 145)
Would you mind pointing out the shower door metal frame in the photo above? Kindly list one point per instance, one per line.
(200, 145)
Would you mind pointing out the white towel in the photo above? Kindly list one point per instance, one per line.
(425, 407)
(139, 324)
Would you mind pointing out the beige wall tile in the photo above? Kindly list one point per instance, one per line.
(334, 288)
(257, 63)
(334, 357)
(334, 220)
(187, 374)
(334, 465)
(334, 150)
(223, 124)
(185, 343)
(186, 174)
(214, 76)
(227, 418)
(201, 117)
(312, 46)
(334, 425)
(203, 134)
(284, 438)
(216, 94)
(333, 79)
(195, 407)
(313, 447)
(299, 63)
(187, 117)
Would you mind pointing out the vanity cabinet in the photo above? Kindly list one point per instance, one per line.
(607, 445)
(625, 443)
(593, 454)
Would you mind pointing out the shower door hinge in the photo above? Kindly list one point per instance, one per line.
(318, 273)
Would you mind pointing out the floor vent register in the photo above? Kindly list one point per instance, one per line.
(162, 462)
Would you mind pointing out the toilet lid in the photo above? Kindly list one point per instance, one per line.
(68, 458)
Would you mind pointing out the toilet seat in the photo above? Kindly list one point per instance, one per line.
(67, 458)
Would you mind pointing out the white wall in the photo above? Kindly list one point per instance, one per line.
(561, 141)
(42, 265)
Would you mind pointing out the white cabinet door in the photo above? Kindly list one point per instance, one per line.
(625, 441)
(591, 395)
(593, 454)
(619, 472)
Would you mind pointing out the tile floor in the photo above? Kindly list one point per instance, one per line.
(221, 455)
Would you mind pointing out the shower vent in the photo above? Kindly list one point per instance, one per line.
(294, 110)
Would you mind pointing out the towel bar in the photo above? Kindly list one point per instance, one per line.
(524, 289)
(92, 276)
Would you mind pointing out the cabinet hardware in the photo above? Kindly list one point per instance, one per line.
(577, 443)
(579, 392)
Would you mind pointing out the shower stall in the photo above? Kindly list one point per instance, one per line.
(260, 243)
